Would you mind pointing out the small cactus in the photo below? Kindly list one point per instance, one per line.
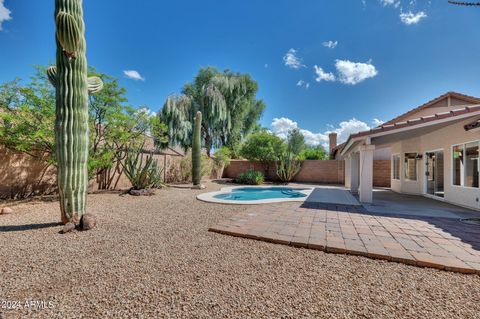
(196, 150)
(72, 84)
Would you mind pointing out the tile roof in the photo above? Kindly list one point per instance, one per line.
(464, 97)
(425, 119)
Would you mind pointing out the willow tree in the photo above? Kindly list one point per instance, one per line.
(228, 105)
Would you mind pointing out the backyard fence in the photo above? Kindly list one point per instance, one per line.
(313, 171)
(23, 176)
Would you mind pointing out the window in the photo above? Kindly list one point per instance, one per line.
(410, 166)
(471, 164)
(466, 164)
(396, 166)
(458, 165)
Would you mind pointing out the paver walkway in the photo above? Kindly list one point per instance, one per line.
(442, 243)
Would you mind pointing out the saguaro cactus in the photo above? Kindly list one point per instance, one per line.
(196, 151)
(71, 124)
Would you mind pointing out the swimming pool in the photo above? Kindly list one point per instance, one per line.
(256, 194)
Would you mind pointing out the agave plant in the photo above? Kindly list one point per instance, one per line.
(288, 167)
(143, 172)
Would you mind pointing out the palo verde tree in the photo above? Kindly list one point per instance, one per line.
(115, 127)
(229, 109)
(27, 114)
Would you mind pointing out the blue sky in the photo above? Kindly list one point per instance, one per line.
(384, 56)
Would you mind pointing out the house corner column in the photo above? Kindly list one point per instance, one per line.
(354, 172)
(366, 173)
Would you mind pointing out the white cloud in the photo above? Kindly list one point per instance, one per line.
(376, 122)
(322, 75)
(354, 72)
(330, 44)
(291, 60)
(304, 84)
(393, 3)
(412, 18)
(346, 128)
(4, 13)
(281, 127)
(134, 75)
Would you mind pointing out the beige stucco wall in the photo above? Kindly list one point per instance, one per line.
(442, 139)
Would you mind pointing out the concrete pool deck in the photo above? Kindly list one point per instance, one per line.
(436, 238)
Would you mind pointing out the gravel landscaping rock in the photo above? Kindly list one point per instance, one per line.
(152, 257)
(6, 210)
(68, 227)
(88, 222)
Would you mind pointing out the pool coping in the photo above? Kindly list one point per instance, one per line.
(209, 197)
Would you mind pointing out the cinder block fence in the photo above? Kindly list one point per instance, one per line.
(313, 171)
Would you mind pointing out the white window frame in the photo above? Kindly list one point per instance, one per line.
(399, 167)
(463, 172)
(416, 167)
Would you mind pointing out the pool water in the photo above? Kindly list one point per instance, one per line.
(257, 193)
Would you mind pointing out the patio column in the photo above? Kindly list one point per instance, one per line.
(347, 172)
(366, 173)
(354, 172)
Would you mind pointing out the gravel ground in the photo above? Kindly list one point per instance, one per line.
(152, 257)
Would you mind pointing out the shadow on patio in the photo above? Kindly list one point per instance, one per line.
(415, 231)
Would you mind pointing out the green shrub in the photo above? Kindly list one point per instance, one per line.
(250, 177)
(313, 153)
(263, 147)
(222, 157)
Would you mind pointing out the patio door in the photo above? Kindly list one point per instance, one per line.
(434, 173)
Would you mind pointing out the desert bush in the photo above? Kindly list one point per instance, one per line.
(184, 173)
(142, 172)
(250, 177)
(288, 167)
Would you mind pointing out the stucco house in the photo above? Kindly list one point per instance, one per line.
(434, 152)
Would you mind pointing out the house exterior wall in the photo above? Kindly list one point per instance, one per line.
(383, 153)
(442, 139)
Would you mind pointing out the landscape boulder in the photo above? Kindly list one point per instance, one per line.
(6, 210)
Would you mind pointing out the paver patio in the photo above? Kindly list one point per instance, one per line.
(438, 242)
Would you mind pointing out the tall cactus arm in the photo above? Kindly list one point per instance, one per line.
(95, 84)
(52, 75)
(68, 33)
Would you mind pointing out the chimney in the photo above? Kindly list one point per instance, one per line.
(332, 137)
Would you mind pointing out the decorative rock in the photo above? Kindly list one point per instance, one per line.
(7, 210)
(68, 227)
(88, 222)
(201, 186)
(141, 192)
